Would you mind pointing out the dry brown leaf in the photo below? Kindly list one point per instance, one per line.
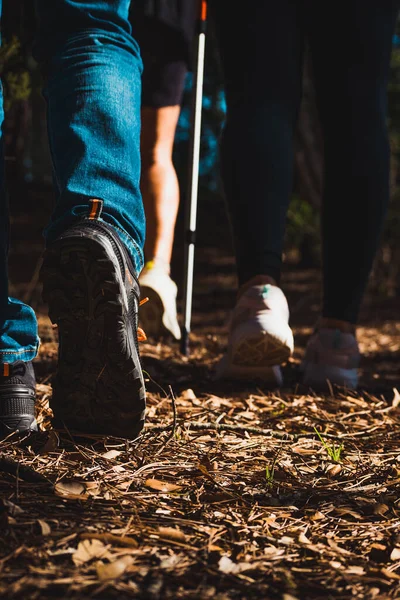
(345, 511)
(390, 574)
(355, 570)
(111, 454)
(66, 539)
(109, 571)
(227, 566)
(12, 509)
(214, 548)
(303, 539)
(286, 540)
(396, 398)
(380, 509)
(118, 469)
(89, 549)
(162, 486)
(272, 551)
(395, 554)
(307, 469)
(304, 451)
(317, 516)
(45, 527)
(333, 470)
(188, 395)
(92, 487)
(246, 414)
(170, 562)
(124, 486)
(72, 490)
(170, 533)
(120, 540)
(337, 548)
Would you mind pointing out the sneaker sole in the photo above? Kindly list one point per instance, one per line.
(154, 318)
(259, 351)
(255, 357)
(98, 387)
(151, 314)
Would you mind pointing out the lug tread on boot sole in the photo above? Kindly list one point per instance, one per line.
(98, 386)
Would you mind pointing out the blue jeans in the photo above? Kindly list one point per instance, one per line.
(92, 72)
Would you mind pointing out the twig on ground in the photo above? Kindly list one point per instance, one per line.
(259, 431)
(174, 422)
(13, 467)
(110, 538)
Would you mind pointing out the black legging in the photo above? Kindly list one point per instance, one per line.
(261, 47)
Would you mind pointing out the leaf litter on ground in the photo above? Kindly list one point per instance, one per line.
(229, 494)
(222, 509)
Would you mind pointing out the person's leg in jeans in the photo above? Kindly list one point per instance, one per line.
(92, 69)
(165, 61)
(261, 50)
(351, 58)
(18, 332)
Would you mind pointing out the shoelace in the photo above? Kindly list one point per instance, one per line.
(141, 336)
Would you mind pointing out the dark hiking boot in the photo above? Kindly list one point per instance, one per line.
(17, 398)
(92, 291)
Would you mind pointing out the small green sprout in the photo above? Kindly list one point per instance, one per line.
(270, 473)
(332, 450)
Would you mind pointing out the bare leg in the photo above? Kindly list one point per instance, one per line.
(160, 191)
(159, 182)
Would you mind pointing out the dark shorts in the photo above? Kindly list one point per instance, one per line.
(165, 62)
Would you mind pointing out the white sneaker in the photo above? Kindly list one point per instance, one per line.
(158, 317)
(260, 338)
(331, 356)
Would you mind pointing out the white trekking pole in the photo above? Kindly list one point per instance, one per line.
(193, 175)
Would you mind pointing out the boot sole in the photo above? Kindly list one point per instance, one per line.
(98, 387)
(18, 408)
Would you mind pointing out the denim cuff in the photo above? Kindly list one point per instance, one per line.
(25, 354)
(135, 252)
